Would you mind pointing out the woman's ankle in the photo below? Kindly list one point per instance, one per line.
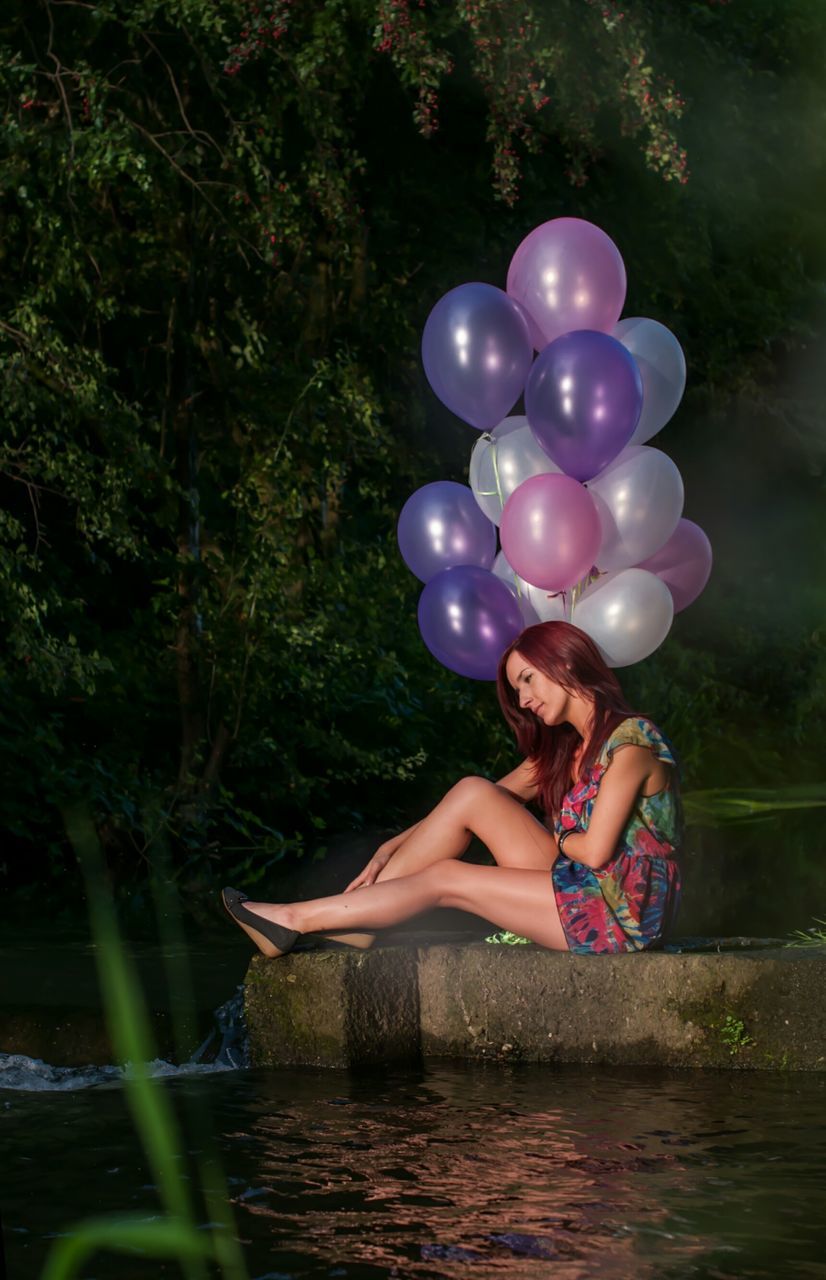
(283, 913)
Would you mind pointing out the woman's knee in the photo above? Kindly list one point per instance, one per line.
(468, 792)
(444, 880)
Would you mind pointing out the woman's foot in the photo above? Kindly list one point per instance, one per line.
(267, 924)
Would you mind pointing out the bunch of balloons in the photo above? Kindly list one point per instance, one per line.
(589, 516)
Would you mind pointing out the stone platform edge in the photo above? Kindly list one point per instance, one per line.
(750, 1009)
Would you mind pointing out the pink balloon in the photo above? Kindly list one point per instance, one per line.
(567, 274)
(550, 531)
(683, 563)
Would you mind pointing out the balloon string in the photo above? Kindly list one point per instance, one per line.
(496, 471)
(576, 591)
(554, 595)
(501, 501)
(593, 575)
(497, 493)
(490, 493)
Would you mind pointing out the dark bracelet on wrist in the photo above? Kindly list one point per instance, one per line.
(560, 844)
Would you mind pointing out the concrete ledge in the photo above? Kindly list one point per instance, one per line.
(333, 1008)
(744, 1009)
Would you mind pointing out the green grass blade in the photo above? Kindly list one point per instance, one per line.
(812, 937)
(130, 1031)
(213, 1182)
(161, 1238)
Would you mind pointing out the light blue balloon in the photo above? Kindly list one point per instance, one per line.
(661, 363)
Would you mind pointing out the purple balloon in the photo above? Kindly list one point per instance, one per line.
(583, 401)
(683, 563)
(468, 617)
(442, 525)
(476, 351)
(567, 274)
(550, 531)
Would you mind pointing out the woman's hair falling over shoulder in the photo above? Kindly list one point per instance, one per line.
(571, 659)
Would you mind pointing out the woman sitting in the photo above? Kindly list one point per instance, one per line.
(603, 879)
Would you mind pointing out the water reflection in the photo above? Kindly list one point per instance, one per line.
(525, 1172)
(605, 1176)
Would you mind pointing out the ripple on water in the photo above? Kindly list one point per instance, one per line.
(17, 1071)
(520, 1172)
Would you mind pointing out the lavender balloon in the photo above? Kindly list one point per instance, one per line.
(476, 351)
(683, 564)
(468, 617)
(440, 526)
(567, 274)
(550, 531)
(583, 401)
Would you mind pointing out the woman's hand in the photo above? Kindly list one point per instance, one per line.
(375, 866)
(521, 782)
(380, 859)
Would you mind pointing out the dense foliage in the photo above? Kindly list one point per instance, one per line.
(223, 225)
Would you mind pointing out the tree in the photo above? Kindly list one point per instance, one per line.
(224, 226)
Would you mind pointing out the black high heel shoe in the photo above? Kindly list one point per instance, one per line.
(270, 938)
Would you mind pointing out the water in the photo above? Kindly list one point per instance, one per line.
(453, 1171)
(224, 1049)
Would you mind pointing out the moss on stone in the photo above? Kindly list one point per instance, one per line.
(718, 1016)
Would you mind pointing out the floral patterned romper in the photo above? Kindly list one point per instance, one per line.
(630, 903)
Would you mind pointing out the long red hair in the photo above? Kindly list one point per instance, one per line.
(571, 659)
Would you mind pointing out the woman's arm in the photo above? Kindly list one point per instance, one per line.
(520, 782)
(619, 788)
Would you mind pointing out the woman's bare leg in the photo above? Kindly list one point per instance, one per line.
(521, 901)
(517, 894)
(475, 806)
(448, 829)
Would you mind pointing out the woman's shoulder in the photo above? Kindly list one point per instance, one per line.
(637, 731)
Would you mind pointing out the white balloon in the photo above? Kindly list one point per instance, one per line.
(661, 363)
(536, 604)
(508, 454)
(639, 497)
(627, 614)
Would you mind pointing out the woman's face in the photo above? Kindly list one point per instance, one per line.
(538, 693)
